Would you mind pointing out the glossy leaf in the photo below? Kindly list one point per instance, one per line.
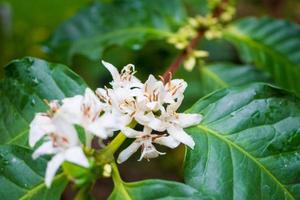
(212, 77)
(248, 144)
(23, 178)
(155, 189)
(272, 45)
(123, 22)
(28, 82)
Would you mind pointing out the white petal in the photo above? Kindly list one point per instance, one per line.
(126, 153)
(92, 102)
(40, 126)
(149, 151)
(113, 70)
(105, 125)
(131, 133)
(97, 129)
(45, 148)
(65, 129)
(180, 135)
(168, 141)
(153, 106)
(151, 81)
(180, 84)
(186, 120)
(151, 121)
(75, 155)
(52, 168)
(174, 106)
(70, 109)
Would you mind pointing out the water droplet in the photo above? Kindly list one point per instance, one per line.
(35, 81)
(136, 47)
(32, 102)
(232, 114)
(285, 165)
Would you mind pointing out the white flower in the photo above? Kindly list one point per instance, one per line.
(152, 95)
(145, 140)
(60, 139)
(89, 112)
(124, 79)
(174, 123)
(174, 91)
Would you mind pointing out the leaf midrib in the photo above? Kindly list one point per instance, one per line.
(241, 150)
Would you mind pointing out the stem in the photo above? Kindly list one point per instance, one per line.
(106, 155)
(116, 143)
(182, 56)
(173, 67)
(116, 175)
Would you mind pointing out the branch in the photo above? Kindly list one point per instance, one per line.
(173, 67)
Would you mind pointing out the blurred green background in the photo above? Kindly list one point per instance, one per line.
(26, 24)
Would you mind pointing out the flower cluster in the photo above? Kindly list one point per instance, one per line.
(152, 104)
(209, 25)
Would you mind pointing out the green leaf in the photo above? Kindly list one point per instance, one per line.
(248, 144)
(23, 178)
(28, 82)
(272, 45)
(202, 7)
(155, 189)
(212, 77)
(81, 133)
(123, 22)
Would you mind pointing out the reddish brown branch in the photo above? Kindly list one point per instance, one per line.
(173, 67)
(182, 56)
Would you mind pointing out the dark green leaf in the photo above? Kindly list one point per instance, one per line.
(202, 7)
(248, 144)
(209, 78)
(28, 82)
(272, 45)
(122, 22)
(23, 178)
(155, 189)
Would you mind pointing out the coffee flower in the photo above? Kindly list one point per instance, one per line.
(145, 140)
(125, 78)
(85, 111)
(59, 138)
(152, 104)
(152, 95)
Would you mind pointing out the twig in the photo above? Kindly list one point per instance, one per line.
(173, 67)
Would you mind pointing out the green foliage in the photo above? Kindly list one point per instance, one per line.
(25, 24)
(23, 178)
(247, 146)
(212, 77)
(155, 189)
(95, 28)
(272, 45)
(29, 81)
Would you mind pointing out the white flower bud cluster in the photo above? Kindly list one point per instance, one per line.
(210, 26)
(152, 104)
